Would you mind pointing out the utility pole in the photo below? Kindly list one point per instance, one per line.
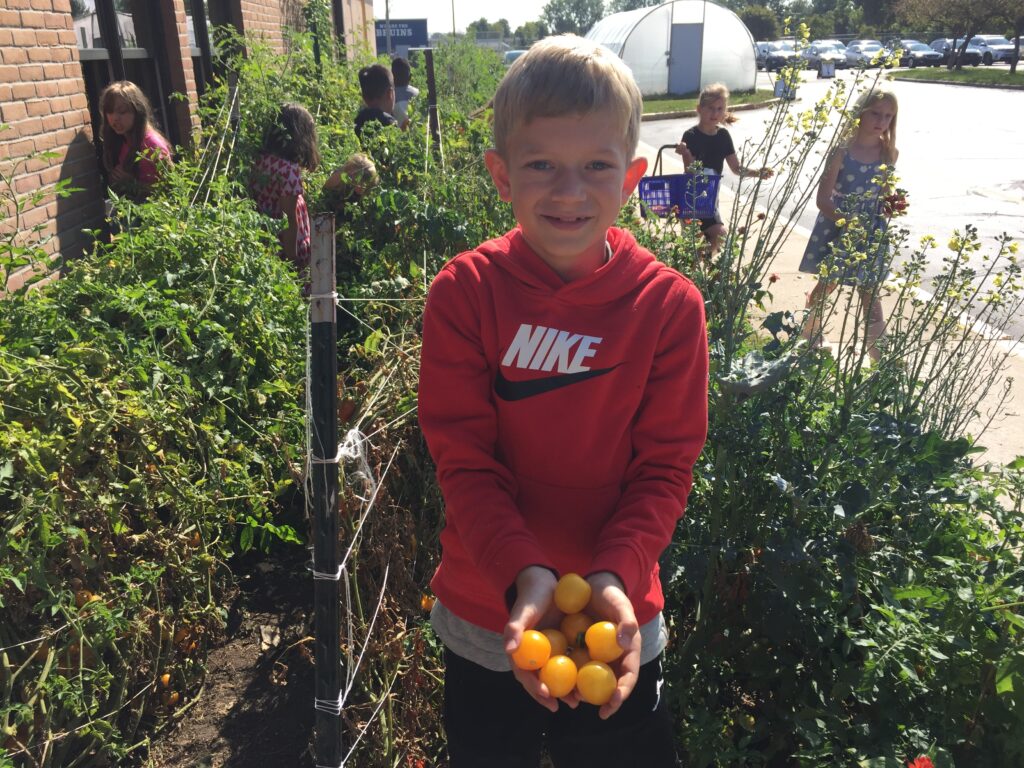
(387, 24)
(453, 19)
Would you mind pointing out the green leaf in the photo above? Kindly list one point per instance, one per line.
(912, 593)
(245, 540)
(1007, 671)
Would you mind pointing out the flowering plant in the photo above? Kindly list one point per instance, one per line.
(921, 762)
(894, 205)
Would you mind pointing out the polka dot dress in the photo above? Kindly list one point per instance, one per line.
(864, 259)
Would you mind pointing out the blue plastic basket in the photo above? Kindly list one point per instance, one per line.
(685, 195)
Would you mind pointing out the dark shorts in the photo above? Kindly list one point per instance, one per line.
(706, 224)
(491, 722)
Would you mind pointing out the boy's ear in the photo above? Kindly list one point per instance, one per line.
(634, 172)
(499, 174)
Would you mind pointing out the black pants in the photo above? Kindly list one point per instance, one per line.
(493, 723)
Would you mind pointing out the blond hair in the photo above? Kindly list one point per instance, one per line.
(566, 75)
(712, 93)
(868, 99)
(359, 171)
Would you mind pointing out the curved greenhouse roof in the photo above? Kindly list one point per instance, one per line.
(680, 46)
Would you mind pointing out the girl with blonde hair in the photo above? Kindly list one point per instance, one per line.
(851, 198)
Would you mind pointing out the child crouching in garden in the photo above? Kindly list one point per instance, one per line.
(133, 149)
(563, 397)
(289, 146)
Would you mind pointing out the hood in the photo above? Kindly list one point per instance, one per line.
(629, 268)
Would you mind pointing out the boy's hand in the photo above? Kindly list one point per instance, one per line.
(535, 587)
(608, 601)
(765, 173)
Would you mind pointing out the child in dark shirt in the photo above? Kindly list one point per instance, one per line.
(378, 89)
(710, 144)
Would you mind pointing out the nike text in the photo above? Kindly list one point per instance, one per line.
(536, 348)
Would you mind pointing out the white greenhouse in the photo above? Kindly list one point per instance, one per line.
(680, 46)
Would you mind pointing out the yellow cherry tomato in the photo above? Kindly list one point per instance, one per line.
(533, 651)
(559, 645)
(602, 643)
(579, 657)
(559, 675)
(596, 683)
(574, 627)
(572, 593)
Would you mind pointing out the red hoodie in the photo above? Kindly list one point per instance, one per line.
(564, 419)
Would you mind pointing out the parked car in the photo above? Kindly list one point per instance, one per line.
(993, 48)
(914, 53)
(775, 54)
(946, 45)
(825, 50)
(864, 52)
(511, 56)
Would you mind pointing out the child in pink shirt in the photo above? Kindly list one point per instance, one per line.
(275, 183)
(133, 149)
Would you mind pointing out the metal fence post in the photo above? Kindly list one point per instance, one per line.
(324, 471)
(434, 120)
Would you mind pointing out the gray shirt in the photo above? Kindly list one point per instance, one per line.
(403, 95)
(486, 648)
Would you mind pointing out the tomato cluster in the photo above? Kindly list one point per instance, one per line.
(895, 204)
(576, 655)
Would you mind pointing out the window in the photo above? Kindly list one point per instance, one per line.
(199, 18)
(122, 40)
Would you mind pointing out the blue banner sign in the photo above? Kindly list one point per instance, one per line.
(405, 33)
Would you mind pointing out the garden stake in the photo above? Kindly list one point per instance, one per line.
(435, 124)
(323, 474)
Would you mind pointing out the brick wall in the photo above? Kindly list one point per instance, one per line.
(42, 99)
(359, 30)
(180, 69)
(267, 19)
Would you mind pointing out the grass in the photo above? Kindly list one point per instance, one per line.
(654, 104)
(967, 76)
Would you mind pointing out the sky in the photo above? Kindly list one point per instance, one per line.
(439, 12)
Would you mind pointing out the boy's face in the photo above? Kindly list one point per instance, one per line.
(567, 177)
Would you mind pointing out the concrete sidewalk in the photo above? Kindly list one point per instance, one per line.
(1004, 438)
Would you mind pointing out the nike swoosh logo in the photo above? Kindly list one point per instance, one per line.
(520, 390)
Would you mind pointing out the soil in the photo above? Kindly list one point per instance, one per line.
(256, 706)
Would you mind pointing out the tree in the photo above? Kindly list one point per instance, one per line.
(577, 16)
(529, 33)
(762, 23)
(1015, 17)
(480, 25)
(617, 6)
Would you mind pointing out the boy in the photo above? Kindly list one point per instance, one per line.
(563, 396)
(404, 93)
(378, 97)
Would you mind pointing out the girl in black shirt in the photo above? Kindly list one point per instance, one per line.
(711, 145)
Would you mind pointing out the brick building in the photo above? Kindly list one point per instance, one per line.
(56, 56)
